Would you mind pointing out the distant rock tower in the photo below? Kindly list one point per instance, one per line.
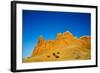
(40, 41)
(37, 50)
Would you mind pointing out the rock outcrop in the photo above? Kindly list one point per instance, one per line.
(65, 47)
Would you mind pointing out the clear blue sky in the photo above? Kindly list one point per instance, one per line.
(48, 24)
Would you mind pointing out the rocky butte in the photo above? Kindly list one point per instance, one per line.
(64, 47)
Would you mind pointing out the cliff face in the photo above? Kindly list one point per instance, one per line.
(64, 47)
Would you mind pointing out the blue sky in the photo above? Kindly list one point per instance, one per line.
(48, 24)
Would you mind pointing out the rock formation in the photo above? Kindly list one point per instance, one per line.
(64, 47)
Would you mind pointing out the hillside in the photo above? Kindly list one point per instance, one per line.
(65, 47)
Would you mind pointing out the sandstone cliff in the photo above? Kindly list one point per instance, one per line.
(65, 47)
